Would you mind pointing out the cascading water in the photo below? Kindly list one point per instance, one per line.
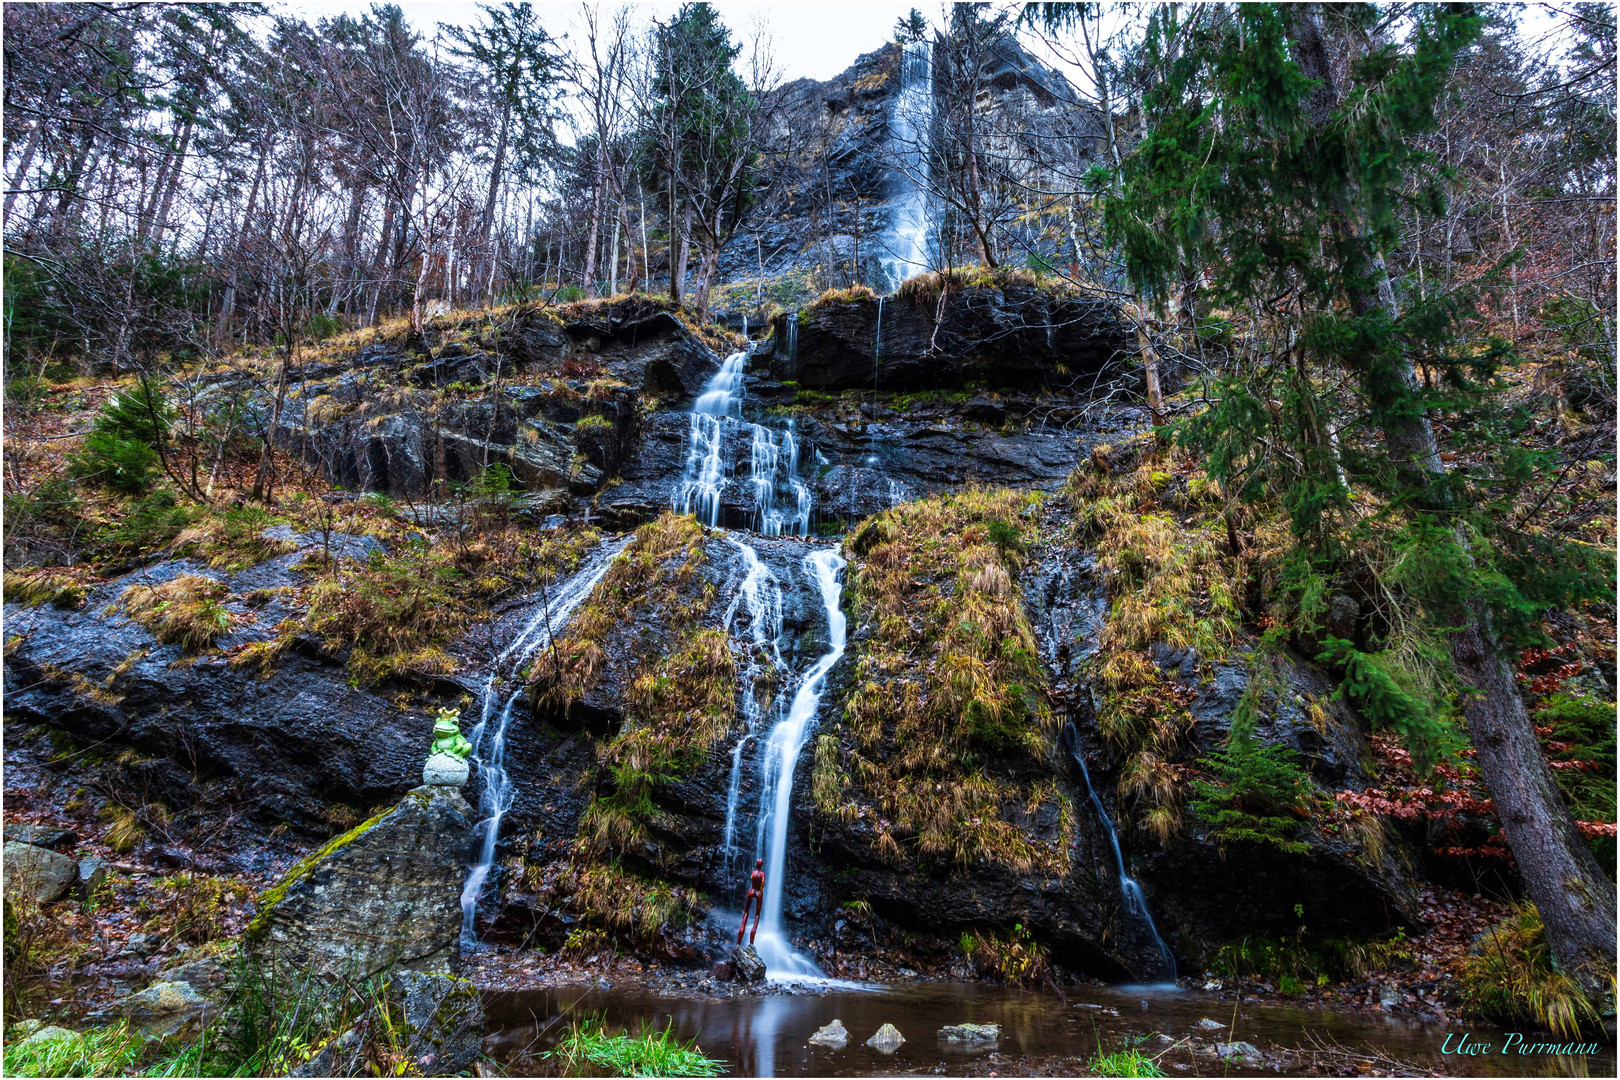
(877, 350)
(706, 474)
(1135, 901)
(760, 595)
(774, 459)
(777, 763)
(910, 127)
(489, 742)
(782, 500)
(783, 505)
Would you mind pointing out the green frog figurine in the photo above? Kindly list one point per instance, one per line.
(447, 737)
(446, 765)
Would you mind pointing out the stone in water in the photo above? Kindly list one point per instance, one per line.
(970, 1033)
(746, 966)
(833, 1036)
(887, 1040)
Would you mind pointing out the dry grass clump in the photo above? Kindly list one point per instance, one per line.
(43, 587)
(233, 539)
(838, 296)
(948, 706)
(682, 687)
(187, 611)
(396, 613)
(625, 903)
(924, 290)
(650, 573)
(1164, 554)
(1510, 978)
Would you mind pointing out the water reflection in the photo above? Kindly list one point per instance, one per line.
(766, 1035)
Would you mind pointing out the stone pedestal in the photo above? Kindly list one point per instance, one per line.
(446, 770)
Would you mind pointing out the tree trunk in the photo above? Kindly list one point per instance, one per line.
(1575, 898)
(160, 221)
(613, 257)
(678, 271)
(1150, 365)
(30, 148)
(707, 269)
(592, 235)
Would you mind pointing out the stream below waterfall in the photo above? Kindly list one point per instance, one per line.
(1041, 1034)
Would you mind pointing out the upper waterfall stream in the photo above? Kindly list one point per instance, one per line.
(488, 738)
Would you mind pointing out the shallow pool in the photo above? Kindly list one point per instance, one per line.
(765, 1035)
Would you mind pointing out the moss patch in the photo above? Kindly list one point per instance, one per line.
(305, 866)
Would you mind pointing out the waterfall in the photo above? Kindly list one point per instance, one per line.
(774, 462)
(760, 594)
(877, 350)
(793, 335)
(782, 500)
(911, 123)
(706, 474)
(745, 327)
(489, 743)
(777, 764)
(1135, 901)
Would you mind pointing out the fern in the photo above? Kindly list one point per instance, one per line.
(1258, 795)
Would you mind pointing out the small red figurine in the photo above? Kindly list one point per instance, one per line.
(756, 893)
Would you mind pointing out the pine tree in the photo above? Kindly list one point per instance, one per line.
(1281, 142)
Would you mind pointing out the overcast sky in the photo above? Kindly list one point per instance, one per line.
(811, 39)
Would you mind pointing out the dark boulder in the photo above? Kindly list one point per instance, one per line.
(1017, 335)
(747, 969)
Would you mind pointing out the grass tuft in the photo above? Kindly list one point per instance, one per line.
(108, 1051)
(587, 1047)
(187, 611)
(1510, 979)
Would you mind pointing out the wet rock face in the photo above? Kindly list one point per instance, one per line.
(1245, 889)
(860, 455)
(553, 399)
(387, 893)
(841, 128)
(1018, 335)
(284, 748)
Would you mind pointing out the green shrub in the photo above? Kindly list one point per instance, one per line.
(1258, 795)
(141, 413)
(114, 461)
(118, 453)
(149, 523)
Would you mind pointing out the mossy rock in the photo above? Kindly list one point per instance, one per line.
(386, 893)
